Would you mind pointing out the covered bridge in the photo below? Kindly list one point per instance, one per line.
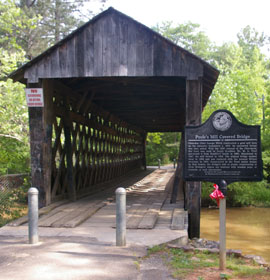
(105, 86)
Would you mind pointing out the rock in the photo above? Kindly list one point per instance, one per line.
(182, 241)
(212, 244)
(236, 253)
(185, 248)
(188, 248)
(204, 245)
(259, 260)
(213, 250)
(174, 246)
(249, 256)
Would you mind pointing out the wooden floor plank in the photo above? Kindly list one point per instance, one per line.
(55, 211)
(42, 211)
(150, 218)
(135, 219)
(78, 210)
(48, 221)
(178, 219)
(84, 215)
(64, 220)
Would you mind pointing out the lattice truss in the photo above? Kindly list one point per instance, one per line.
(96, 148)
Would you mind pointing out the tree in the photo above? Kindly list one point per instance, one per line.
(14, 148)
(163, 146)
(188, 36)
(16, 28)
(35, 25)
(250, 39)
(57, 19)
(237, 84)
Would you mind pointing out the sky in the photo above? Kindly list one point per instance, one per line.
(221, 20)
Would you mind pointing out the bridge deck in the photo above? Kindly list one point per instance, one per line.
(148, 205)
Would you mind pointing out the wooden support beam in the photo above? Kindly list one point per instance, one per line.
(73, 95)
(69, 153)
(178, 183)
(144, 151)
(48, 122)
(40, 126)
(193, 117)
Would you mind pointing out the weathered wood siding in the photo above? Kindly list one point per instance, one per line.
(115, 45)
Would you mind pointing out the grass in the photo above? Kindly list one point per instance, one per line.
(183, 263)
(240, 268)
(203, 264)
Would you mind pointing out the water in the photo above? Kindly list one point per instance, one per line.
(247, 229)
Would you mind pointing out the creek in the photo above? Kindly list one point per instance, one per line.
(247, 229)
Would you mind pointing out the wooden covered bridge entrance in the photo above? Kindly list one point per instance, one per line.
(105, 86)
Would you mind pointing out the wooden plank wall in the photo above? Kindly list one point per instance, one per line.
(88, 149)
(115, 45)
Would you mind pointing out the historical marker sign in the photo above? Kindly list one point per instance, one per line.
(222, 149)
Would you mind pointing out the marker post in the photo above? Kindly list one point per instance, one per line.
(222, 226)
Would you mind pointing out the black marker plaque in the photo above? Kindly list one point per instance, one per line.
(222, 149)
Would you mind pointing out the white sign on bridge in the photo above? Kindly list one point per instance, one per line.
(34, 97)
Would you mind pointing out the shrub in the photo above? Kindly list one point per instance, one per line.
(13, 203)
(240, 194)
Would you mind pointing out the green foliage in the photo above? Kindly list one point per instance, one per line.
(13, 203)
(36, 25)
(266, 167)
(240, 194)
(250, 39)
(156, 249)
(240, 86)
(188, 36)
(266, 134)
(17, 28)
(163, 146)
(14, 148)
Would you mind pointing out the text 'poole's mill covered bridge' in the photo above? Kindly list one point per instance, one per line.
(105, 86)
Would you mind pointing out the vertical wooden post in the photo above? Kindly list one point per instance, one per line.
(193, 117)
(40, 128)
(144, 151)
(47, 122)
(178, 180)
(68, 150)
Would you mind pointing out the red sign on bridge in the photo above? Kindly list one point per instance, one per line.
(34, 97)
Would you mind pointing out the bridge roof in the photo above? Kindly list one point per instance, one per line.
(126, 68)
